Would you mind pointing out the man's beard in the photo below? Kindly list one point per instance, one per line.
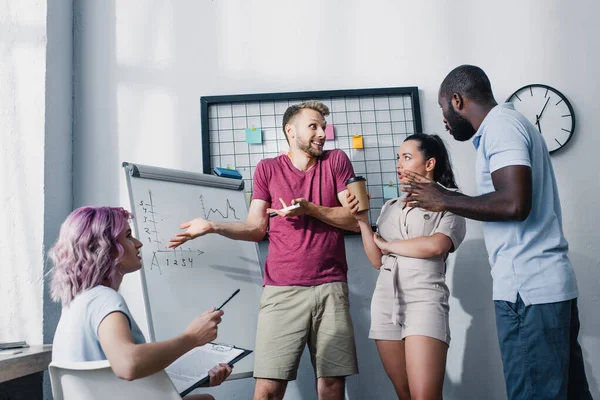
(307, 148)
(460, 129)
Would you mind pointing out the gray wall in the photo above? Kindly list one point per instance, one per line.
(139, 68)
(58, 152)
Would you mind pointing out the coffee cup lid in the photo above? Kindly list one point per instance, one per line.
(355, 179)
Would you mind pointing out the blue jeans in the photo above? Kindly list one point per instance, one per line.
(541, 356)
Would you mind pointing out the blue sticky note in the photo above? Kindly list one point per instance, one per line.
(253, 135)
(390, 192)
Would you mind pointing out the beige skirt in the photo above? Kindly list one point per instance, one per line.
(410, 298)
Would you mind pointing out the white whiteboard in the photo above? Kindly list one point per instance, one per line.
(179, 284)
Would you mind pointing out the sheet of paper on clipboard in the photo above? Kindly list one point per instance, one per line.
(190, 371)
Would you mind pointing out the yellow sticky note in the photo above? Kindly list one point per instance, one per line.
(357, 142)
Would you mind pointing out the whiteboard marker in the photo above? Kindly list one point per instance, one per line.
(289, 208)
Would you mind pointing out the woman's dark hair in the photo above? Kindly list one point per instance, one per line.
(432, 146)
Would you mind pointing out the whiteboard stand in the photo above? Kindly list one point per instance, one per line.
(180, 284)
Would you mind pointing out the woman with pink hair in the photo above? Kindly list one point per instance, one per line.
(95, 249)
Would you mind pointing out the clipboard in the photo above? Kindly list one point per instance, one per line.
(190, 371)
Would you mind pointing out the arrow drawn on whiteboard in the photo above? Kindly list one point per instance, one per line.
(155, 263)
(174, 258)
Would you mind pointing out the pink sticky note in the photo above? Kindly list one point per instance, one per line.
(329, 132)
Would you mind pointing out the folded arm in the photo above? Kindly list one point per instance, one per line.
(436, 245)
(340, 217)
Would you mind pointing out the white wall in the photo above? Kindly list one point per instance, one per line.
(22, 120)
(35, 159)
(141, 67)
(36, 153)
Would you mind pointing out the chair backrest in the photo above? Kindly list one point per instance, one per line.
(95, 380)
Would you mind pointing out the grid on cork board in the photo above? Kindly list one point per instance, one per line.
(240, 130)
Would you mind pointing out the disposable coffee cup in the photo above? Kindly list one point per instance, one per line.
(358, 187)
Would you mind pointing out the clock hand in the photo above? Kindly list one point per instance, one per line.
(537, 122)
(541, 112)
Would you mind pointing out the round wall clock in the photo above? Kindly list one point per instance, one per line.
(549, 111)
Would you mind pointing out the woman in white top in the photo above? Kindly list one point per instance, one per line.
(95, 249)
(409, 309)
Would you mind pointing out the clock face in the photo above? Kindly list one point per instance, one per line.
(548, 110)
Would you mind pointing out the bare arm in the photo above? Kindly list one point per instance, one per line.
(510, 201)
(340, 217)
(373, 252)
(436, 245)
(334, 216)
(253, 229)
(133, 361)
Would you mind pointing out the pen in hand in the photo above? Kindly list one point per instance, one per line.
(227, 301)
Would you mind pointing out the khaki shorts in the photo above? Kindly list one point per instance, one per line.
(292, 316)
(410, 300)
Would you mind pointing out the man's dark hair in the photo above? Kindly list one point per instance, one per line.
(468, 81)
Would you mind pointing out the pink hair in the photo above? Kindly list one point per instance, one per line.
(87, 252)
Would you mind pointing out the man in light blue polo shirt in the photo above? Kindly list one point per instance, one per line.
(534, 290)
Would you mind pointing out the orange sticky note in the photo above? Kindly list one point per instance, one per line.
(357, 142)
(329, 135)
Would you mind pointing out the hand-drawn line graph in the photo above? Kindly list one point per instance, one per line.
(212, 211)
(161, 255)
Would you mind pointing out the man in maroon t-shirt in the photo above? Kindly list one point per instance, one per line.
(305, 296)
